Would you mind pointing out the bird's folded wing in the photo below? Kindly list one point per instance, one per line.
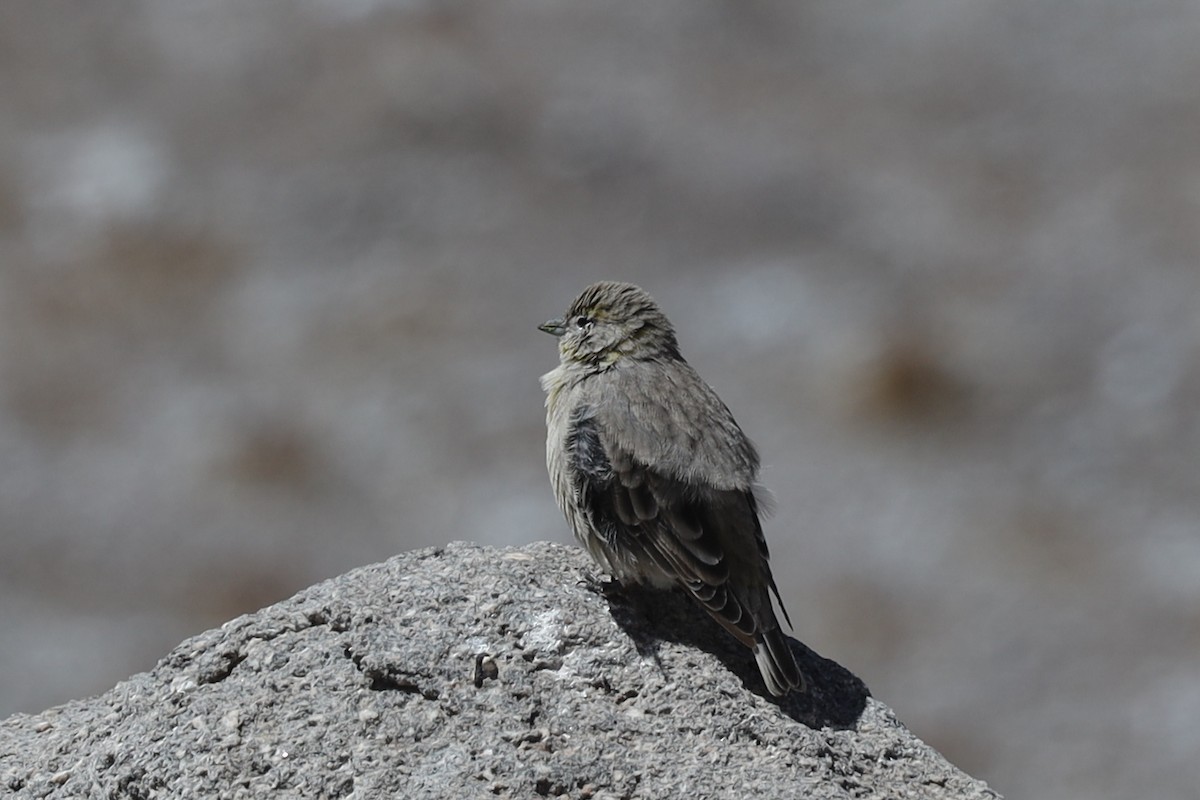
(690, 531)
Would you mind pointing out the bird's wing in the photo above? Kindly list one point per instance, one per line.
(707, 538)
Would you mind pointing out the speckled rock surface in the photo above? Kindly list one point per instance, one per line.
(468, 671)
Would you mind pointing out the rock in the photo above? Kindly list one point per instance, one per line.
(467, 671)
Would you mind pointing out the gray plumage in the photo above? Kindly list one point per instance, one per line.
(652, 472)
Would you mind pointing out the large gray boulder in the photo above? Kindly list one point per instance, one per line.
(467, 671)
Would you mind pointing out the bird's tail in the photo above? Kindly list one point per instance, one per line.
(776, 663)
(760, 632)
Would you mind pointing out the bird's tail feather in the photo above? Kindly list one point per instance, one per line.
(776, 663)
(771, 652)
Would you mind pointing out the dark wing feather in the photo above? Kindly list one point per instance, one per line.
(691, 533)
(709, 540)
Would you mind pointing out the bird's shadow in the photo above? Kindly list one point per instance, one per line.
(834, 698)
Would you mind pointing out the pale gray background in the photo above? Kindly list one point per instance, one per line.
(270, 271)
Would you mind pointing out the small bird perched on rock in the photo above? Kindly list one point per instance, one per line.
(652, 472)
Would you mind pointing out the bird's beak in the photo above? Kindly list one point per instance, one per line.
(554, 327)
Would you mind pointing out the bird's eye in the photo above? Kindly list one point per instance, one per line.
(582, 322)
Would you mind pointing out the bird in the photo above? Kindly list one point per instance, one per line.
(654, 475)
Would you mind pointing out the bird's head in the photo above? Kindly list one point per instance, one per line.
(611, 321)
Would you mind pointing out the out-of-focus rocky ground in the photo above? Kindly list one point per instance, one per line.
(272, 270)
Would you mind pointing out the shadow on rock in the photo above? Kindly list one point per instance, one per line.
(835, 697)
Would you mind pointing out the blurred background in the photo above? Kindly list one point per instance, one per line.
(270, 275)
